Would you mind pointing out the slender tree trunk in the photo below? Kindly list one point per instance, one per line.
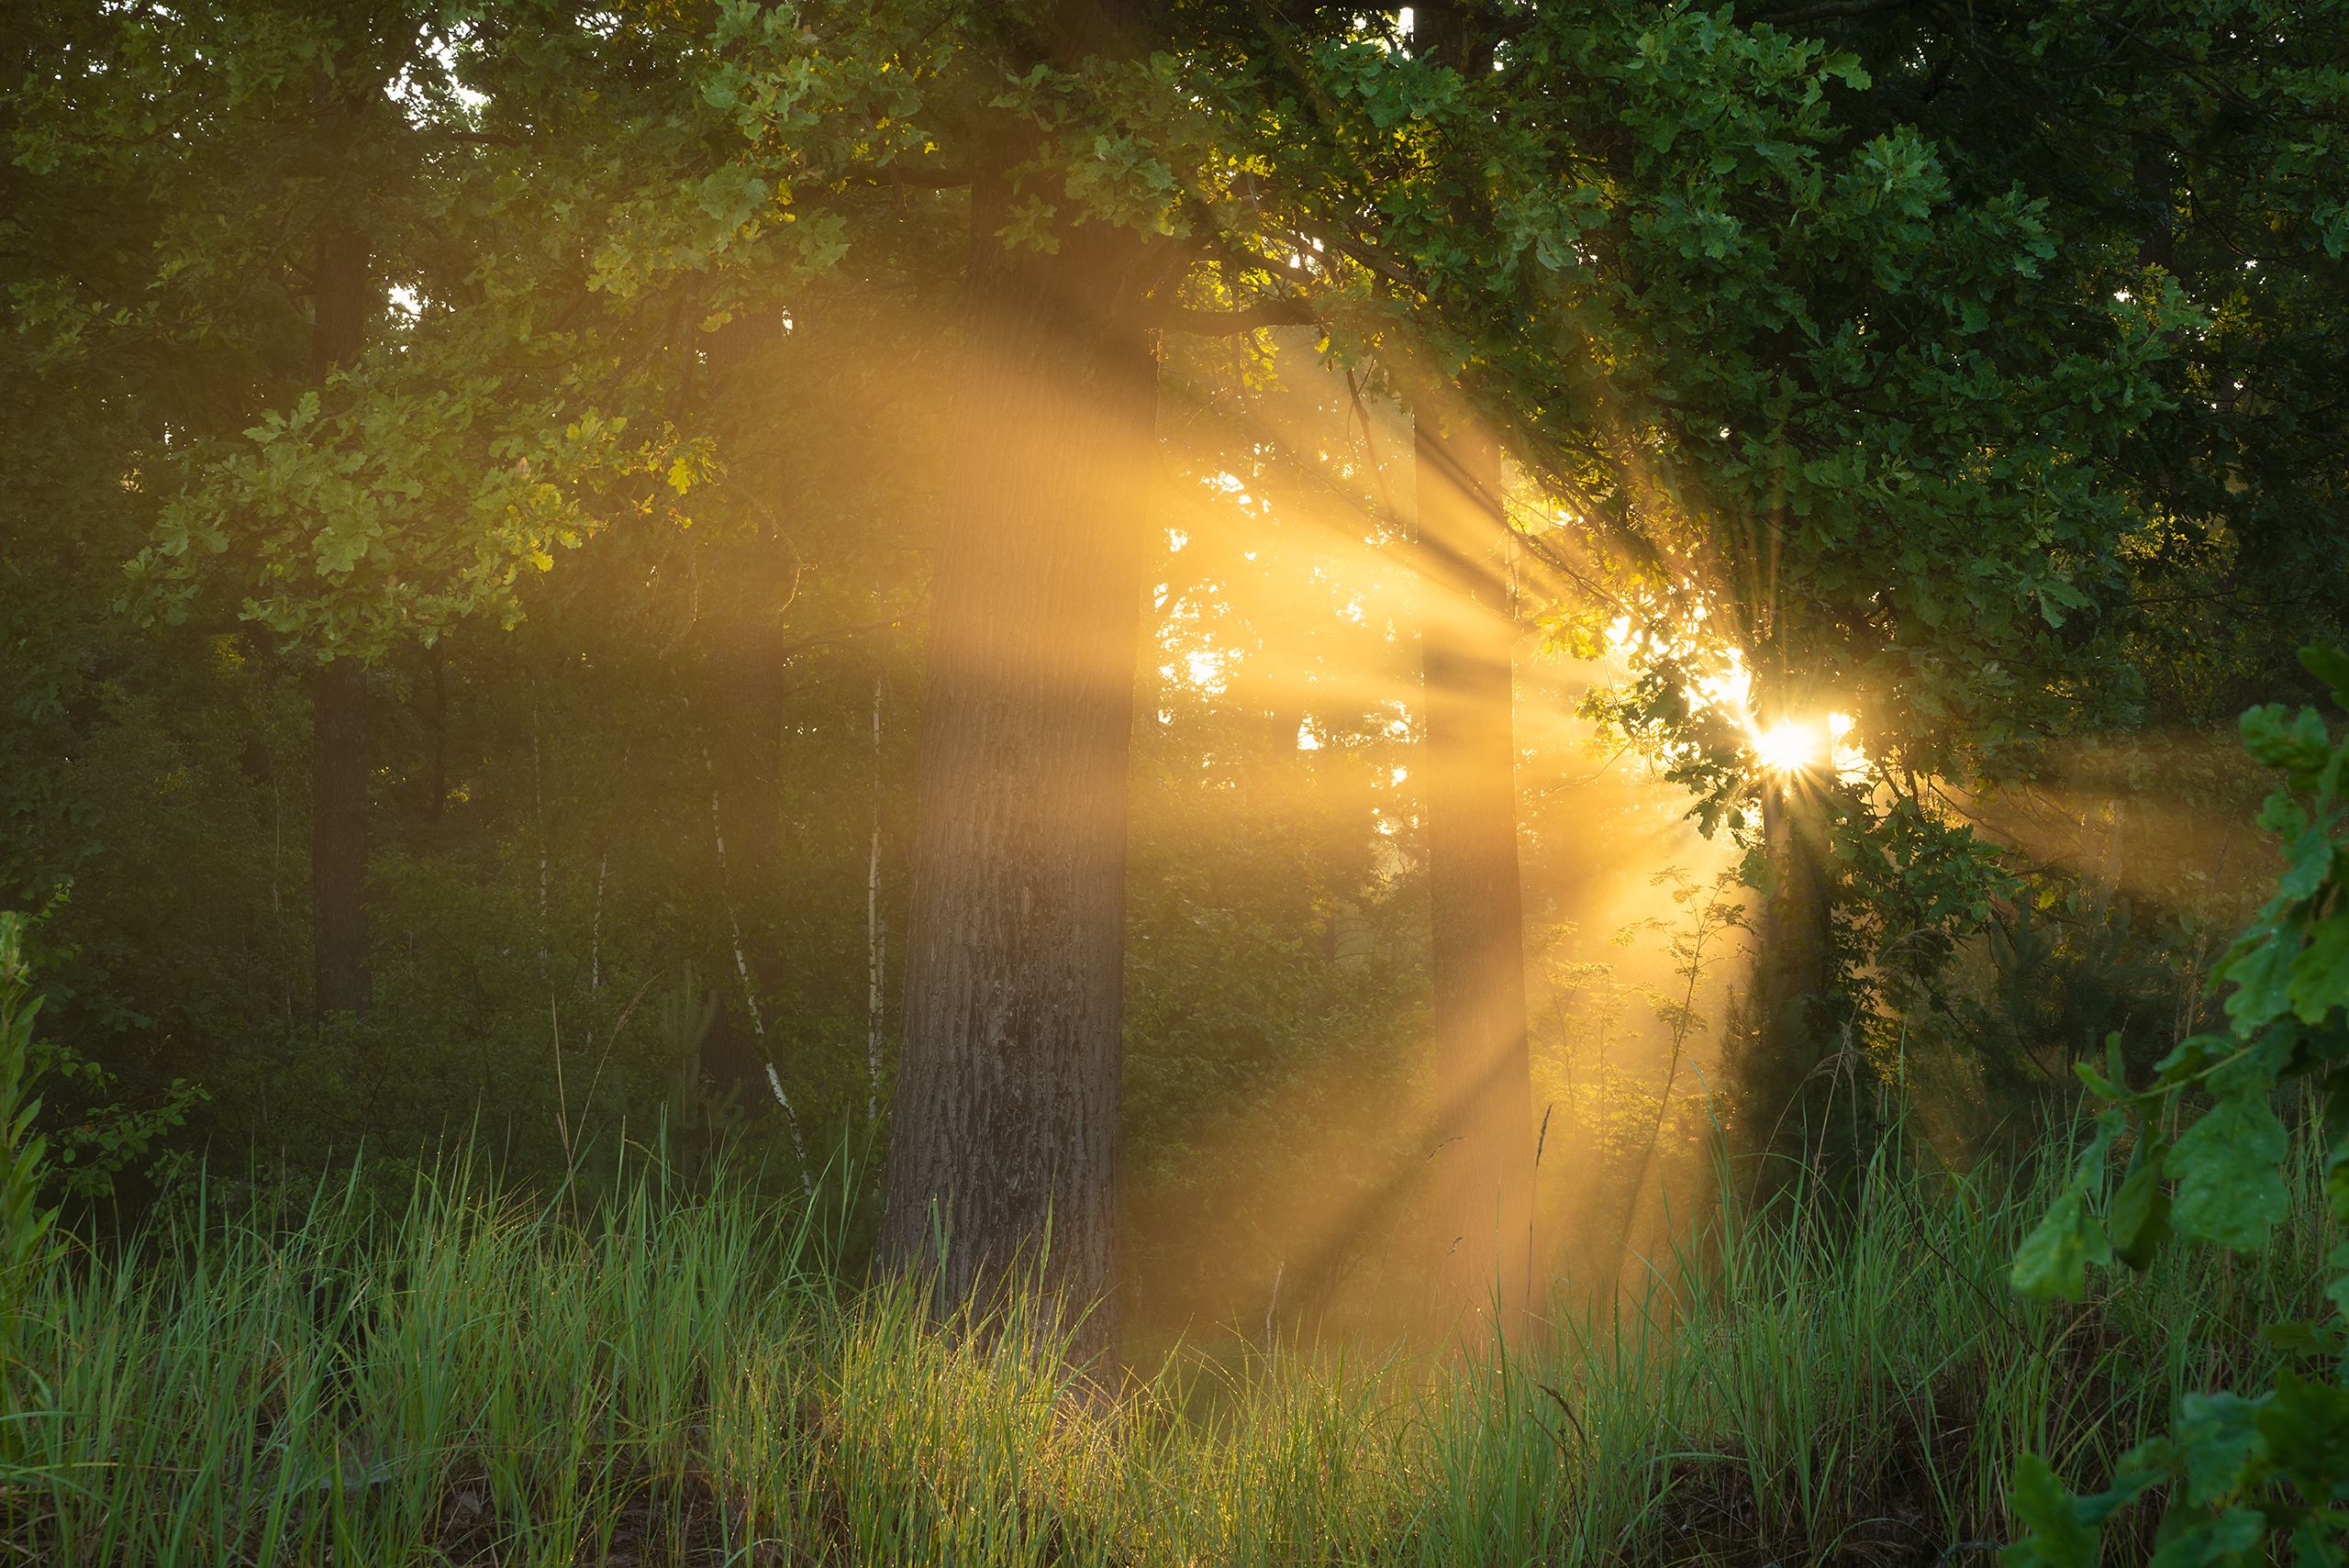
(877, 947)
(1004, 1148)
(742, 971)
(339, 770)
(340, 746)
(1781, 1093)
(1483, 1075)
(2157, 243)
(437, 778)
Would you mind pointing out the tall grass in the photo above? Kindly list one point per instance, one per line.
(676, 1373)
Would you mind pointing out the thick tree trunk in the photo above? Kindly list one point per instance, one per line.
(1484, 1088)
(1004, 1150)
(339, 720)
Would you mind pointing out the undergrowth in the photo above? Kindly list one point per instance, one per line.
(677, 1374)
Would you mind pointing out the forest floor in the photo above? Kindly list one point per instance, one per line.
(678, 1374)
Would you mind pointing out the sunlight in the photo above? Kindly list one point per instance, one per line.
(1790, 746)
(1719, 680)
(1436, 771)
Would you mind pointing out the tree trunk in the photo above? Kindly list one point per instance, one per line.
(338, 717)
(1781, 1095)
(876, 944)
(338, 835)
(2149, 173)
(1483, 1075)
(1004, 1151)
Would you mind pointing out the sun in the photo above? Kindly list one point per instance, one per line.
(1791, 747)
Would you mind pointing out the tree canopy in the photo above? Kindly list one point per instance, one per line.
(1032, 598)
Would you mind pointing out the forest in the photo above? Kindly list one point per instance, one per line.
(1174, 782)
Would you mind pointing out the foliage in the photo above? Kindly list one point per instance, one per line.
(539, 849)
(2121, 572)
(2198, 142)
(93, 1136)
(1974, 371)
(25, 1221)
(110, 1138)
(2241, 1469)
(1702, 916)
(686, 266)
(401, 516)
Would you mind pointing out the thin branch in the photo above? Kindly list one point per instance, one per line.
(837, 636)
(910, 177)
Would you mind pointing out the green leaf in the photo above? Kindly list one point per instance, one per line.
(2192, 1055)
(2059, 1536)
(2215, 1433)
(732, 194)
(2322, 1541)
(2298, 743)
(2139, 1219)
(2262, 973)
(2230, 1190)
(2305, 1426)
(2307, 862)
(2330, 665)
(2319, 980)
(2229, 1539)
(2101, 1084)
(2054, 1259)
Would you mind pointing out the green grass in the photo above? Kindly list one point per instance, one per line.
(678, 1374)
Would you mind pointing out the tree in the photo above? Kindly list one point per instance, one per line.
(2193, 148)
(394, 492)
(341, 308)
(1482, 1071)
(1795, 1006)
(1483, 1067)
(1747, 357)
(1794, 464)
(1005, 1123)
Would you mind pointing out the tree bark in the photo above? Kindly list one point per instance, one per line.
(877, 947)
(1004, 1150)
(338, 771)
(1780, 1093)
(339, 743)
(1483, 1081)
(1483, 1073)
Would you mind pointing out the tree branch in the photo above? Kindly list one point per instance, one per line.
(1250, 317)
(911, 178)
(1824, 10)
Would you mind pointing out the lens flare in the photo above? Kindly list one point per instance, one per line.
(1791, 747)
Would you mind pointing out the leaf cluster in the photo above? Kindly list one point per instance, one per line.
(2206, 1157)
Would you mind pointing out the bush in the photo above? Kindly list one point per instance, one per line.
(2208, 1158)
